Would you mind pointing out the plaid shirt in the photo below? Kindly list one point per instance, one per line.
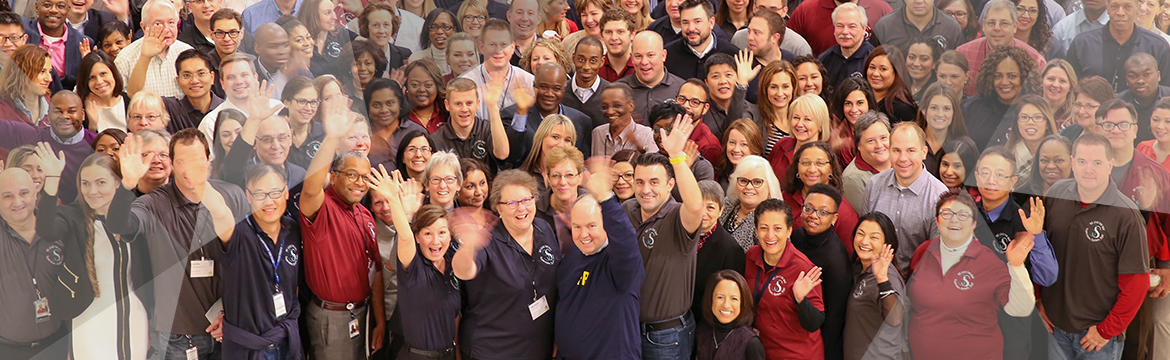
(160, 76)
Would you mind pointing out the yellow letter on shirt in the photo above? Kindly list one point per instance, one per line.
(584, 277)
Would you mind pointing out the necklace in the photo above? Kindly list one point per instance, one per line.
(717, 341)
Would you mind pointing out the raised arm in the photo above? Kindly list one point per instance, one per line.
(388, 185)
(47, 210)
(674, 143)
(500, 147)
(1021, 297)
(889, 295)
(152, 45)
(1044, 269)
(471, 239)
(337, 124)
(222, 218)
(258, 111)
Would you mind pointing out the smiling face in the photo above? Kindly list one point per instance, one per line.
(1055, 161)
(112, 44)
(955, 230)
(363, 68)
(587, 61)
(652, 187)
(44, 77)
(541, 55)
(97, 187)
(101, 81)
(907, 152)
(160, 160)
(563, 179)
(726, 301)
(472, 22)
(951, 170)
(814, 167)
(957, 10)
(995, 177)
(107, 144)
(814, 223)
(780, 89)
(1117, 138)
(227, 44)
(327, 16)
(691, 92)
(617, 37)
(623, 185)
(32, 165)
(751, 196)
(380, 27)
(805, 128)
(558, 136)
(474, 190)
(999, 27)
(952, 75)
(417, 153)
(434, 240)
(849, 30)
(421, 89)
(18, 197)
(443, 185)
(195, 78)
(1085, 109)
(269, 210)
(462, 56)
(772, 232)
(736, 147)
(721, 81)
(66, 115)
(77, 8)
(518, 219)
(229, 129)
(1091, 168)
(441, 30)
(874, 148)
(854, 105)
(591, 20)
(808, 78)
(301, 115)
(649, 59)
(939, 113)
(868, 241)
(272, 47)
(238, 81)
(1147, 10)
(1055, 86)
(1008, 80)
(51, 14)
(586, 224)
(165, 19)
(616, 106)
(880, 73)
(1032, 123)
(1122, 14)
(550, 89)
(301, 42)
(696, 26)
(462, 106)
(1160, 124)
(384, 108)
(496, 48)
(920, 62)
(351, 191)
(273, 140)
(1026, 13)
(524, 15)
(358, 138)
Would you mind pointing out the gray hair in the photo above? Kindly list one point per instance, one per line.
(150, 100)
(866, 120)
(151, 4)
(849, 6)
(443, 158)
(150, 135)
(999, 5)
(711, 191)
(747, 164)
(339, 161)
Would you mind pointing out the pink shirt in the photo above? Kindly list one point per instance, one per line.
(977, 50)
(56, 49)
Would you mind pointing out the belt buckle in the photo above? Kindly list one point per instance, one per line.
(349, 306)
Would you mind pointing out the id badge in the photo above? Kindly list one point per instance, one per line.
(538, 307)
(278, 304)
(353, 329)
(42, 308)
(193, 354)
(202, 268)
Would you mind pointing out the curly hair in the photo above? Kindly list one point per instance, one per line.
(16, 80)
(1041, 36)
(550, 44)
(1030, 80)
(793, 184)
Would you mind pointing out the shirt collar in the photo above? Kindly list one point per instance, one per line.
(76, 138)
(995, 213)
(53, 39)
(596, 84)
(918, 187)
(707, 50)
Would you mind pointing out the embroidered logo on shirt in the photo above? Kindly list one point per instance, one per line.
(479, 150)
(546, 255)
(290, 255)
(777, 286)
(584, 278)
(373, 234)
(964, 280)
(53, 255)
(860, 289)
(1001, 242)
(648, 238)
(1095, 232)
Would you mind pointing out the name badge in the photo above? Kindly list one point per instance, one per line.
(538, 307)
(202, 268)
(42, 308)
(193, 354)
(278, 304)
(353, 329)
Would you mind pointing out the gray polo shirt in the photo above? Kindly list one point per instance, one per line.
(646, 97)
(911, 208)
(668, 251)
(895, 29)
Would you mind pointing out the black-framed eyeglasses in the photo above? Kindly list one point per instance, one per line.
(625, 176)
(419, 149)
(947, 214)
(683, 100)
(308, 102)
(14, 39)
(1109, 126)
(450, 180)
(443, 27)
(515, 204)
(220, 34)
(820, 214)
(755, 183)
(258, 195)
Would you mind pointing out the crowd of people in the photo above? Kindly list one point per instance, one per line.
(545, 179)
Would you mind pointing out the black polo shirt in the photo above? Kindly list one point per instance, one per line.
(840, 67)
(496, 322)
(248, 291)
(303, 155)
(428, 302)
(895, 29)
(20, 261)
(184, 115)
(668, 251)
(477, 145)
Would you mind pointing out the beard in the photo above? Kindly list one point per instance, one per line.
(701, 40)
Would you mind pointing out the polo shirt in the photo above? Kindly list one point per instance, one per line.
(26, 261)
(385, 152)
(515, 77)
(777, 312)
(477, 145)
(597, 312)
(668, 253)
(609, 74)
(179, 232)
(978, 284)
(496, 321)
(56, 48)
(867, 334)
(853, 180)
(1003, 225)
(340, 252)
(895, 29)
(265, 11)
(977, 50)
(813, 19)
(635, 136)
(160, 74)
(840, 67)
(184, 115)
(428, 302)
(248, 291)
(646, 97)
(1094, 244)
(827, 251)
(1096, 52)
(302, 155)
(911, 208)
(686, 64)
(1144, 110)
(192, 36)
(1072, 25)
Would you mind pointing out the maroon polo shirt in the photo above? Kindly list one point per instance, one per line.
(606, 72)
(339, 250)
(776, 312)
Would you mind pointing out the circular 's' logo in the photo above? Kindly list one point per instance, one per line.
(479, 150)
(964, 280)
(1095, 232)
(648, 237)
(778, 285)
(1001, 242)
(546, 255)
(54, 255)
(860, 289)
(311, 148)
(291, 256)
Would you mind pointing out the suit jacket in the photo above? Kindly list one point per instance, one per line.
(685, 64)
(522, 142)
(94, 20)
(591, 108)
(72, 50)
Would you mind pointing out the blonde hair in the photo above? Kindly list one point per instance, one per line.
(747, 164)
(813, 105)
(562, 153)
(546, 126)
(552, 45)
(146, 99)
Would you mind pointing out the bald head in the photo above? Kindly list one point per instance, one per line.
(649, 58)
(1142, 76)
(17, 197)
(273, 139)
(550, 87)
(272, 46)
(586, 224)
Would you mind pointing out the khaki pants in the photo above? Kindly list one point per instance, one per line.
(329, 333)
(1161, 327)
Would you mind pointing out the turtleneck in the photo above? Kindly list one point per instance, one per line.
(951, 255)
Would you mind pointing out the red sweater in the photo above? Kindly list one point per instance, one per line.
(1133, 292)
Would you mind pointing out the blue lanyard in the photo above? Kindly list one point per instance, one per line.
(275, 260)
(758, 292)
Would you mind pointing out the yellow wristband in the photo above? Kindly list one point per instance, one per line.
(678, 159)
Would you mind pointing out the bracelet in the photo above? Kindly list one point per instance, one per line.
(678, 159)
(883, 294)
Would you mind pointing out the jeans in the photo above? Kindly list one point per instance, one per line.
(276, 352)
(669, 344)
(1067, 346)
(174, 346)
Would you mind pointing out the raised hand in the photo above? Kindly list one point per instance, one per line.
(93, 110)
(692, 151)
(258, 104)
(133, 165)
(398, 76)
(51, 164)
(523, 96)
(743, 67)
(600, 180)
(120, 8)
(410, 192)
(336, 121)
(85, 47)
(1035, 223)
(881, 265)
(469, 234)
(675, 142)
(381, 182)
(805, 282)
(153, 43)
(1017, 250)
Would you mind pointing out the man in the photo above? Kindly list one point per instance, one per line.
(1142, 77)
(238, 74)
(340, 254)
(182, 255)
(694, 97)
(670, 27)
(267, 11)
(262, 140)
(1117, 42)
(63, 133)
(496, 45)
(792, 41)
(687, 54)
(467, 135)
(550, 92)
(227, 31)
(728, 91)
(809, 19)
(717, 250)
(847, 58)
(650, 82)
(273, 51)
(1091, 16)
(1098, 292)
(583, 92)
(598, 281)
(87, 20)
(917, 18)
(765, 29)
(622, 132)
(199, 36)
(523, 17)
(871, 135)
(158, 167)
(906, 192)
(662, 118)
(12, 34)
(148, 63)
(195, 76)
(50, 32)
(999, 29)
(617, 31)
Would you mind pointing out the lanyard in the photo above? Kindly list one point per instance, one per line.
(275, 260)
(757, 291)
(507, 82)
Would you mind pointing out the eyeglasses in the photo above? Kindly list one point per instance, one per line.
(477, 18)
(150, 155)
(13, 39)
(624, 176)
(1084, 106)
(956, 14)
(986, 175)
(450, 180)
(820, 214)
(282, 138)
(219, 34)
(189, 76)
(947, 214)
(150, 117)
(257, 195)
(1032, 11)
(1038, 119)
(1001, 24)
(421, 149)
(59, 7)
(308, 102)
(515, 204)
(443, 27)
(1109, 126)
(744, 182)
(352, 176)
(558, 177)
(682, 100)
(807, 163)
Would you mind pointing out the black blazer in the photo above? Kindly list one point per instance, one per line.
(685, 64)
(93, 23)
(591, 108)
(72, 50)
(397, 58)
(522, 142)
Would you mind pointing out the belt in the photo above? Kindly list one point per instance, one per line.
(332, 306)
(431, 354)
(665, 324)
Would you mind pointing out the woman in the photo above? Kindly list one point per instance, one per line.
(228, 124)
(942, 120)
(1006, 74)
(414, 152)
(936, 291)
(921, 60)
(732, 15)
(358, 138)
(473, 194)
(968, 19)
(1032, 25)
(25, 157)
(1092, 91)
(1033, 123)
(790, 312)
(1159, 147)
(872, 136)
(24, 86)
(367, 64)
(816, 164)
(544, 50)
(590, 12)
(810, 76)
(462, 55)
(428, 292)
(320, 19)
(472, 16)
(1059, 85)
(424, 89)
(301, 105)
(810, 122)
(302, 44)
(952, 70)
(563, 176)
(777, 90)
(958, 163)
(377, 23)
(640, 9)
(555, 21)
(146, 111)
(440, 25)
(884, 68)
(741, 139)
(495, 293)
(555, 131)
(385, 102)
(623, 173)
(852, 98)
(109, 141)
(417, 7)
(727, 318)
(1053, 162)
(105, 99)
(752, 183)
(875, 309)
(441, 179)
(114, 35)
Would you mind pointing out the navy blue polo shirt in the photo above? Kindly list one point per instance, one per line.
(597, 313)
(249, 281)
(496, 323)
(428, 302)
